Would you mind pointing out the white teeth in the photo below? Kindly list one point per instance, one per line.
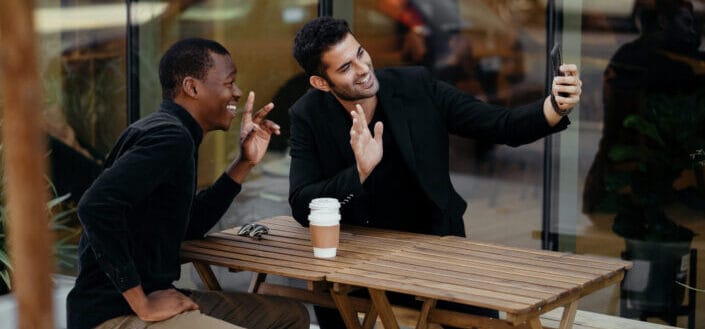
(232, 108)
(365, 80)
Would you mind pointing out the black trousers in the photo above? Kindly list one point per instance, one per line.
(329, 318)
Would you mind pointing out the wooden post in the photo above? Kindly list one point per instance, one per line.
(26, 193)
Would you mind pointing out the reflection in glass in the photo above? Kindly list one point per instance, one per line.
(645, 183)
(82, 62)
(493, 50)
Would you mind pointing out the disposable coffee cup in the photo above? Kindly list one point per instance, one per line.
(324, 225)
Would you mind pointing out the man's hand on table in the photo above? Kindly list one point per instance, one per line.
(158, 305)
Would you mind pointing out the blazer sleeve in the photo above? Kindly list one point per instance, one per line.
(470, 117)
(210, 204)
(306, 177)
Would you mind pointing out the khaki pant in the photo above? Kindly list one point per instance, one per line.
(226, 310)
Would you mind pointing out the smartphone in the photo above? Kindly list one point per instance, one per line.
(556, 61)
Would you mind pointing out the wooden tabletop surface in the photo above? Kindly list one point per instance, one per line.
(521, 282)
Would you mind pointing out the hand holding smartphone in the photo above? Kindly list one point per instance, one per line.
(556, 61)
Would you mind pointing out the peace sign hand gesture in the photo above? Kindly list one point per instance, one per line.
(255, 131)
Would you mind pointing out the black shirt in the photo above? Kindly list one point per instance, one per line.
(396, 200)
(137, 213)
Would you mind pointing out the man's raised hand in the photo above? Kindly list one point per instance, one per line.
(366, 147)
(256, 131)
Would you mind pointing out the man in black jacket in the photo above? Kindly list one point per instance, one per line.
(143, 205)
(399, 181)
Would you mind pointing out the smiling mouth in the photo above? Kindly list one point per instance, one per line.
(365, 80)
(232, 108)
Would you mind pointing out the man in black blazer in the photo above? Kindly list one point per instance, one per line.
(400, 180)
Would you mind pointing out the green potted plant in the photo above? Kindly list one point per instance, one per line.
(669, 137)
(61, 214)
(62, 220)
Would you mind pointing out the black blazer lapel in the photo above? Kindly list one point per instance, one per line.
(401, 122)
(398, 121)
(337, 122)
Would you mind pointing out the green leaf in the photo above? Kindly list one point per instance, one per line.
(55, 201)
(621, 152)
(4, 259)
(5, 276)
(645, 127)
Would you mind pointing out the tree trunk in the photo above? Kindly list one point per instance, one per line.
(26, 193)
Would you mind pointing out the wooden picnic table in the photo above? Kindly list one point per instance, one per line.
(523, 283)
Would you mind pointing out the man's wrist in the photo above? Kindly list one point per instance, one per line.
(137, 299)
(239, 169)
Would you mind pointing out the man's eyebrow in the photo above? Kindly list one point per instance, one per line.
(359, 49)
(340, 68)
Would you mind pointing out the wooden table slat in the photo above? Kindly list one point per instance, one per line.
(558, 263)
(317, 265)
(346, 254)
(306, 274)
(482, 269)
(399, 279)
(352, 277)
(480, 281)
(608, 263)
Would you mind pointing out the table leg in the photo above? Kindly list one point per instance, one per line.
(535, 323)
(345, 308)
(207, 276)
(426, 308)
(569, 315)
(370, 318)
(379, 299)
(257, 279)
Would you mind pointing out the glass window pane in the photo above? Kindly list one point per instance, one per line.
(494, 50)
(630, 173)
(81, 62)
(259, 36)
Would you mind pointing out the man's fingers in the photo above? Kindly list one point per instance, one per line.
(190, 304)
(361, 113)
(247, 114)
(250, 101)
(272, 127)
(262, 113)
(379, 128)
(569, 69)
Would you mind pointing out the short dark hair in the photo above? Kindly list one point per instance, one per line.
(188, 57)
(316, 37)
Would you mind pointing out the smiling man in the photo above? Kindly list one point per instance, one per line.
(377, 140)
(144, 204)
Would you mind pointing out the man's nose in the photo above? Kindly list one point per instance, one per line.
(237, 93)
(360, 67)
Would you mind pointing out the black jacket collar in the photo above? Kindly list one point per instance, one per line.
(180, 113)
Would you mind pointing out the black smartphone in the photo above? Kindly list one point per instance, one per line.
(556, 61)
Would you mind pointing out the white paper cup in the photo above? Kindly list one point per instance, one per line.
(324, 225)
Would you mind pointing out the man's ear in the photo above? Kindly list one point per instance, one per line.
(319, 83)
(188, 87)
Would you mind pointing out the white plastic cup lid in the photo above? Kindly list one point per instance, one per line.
(324, 203)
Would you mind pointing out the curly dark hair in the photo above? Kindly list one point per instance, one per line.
(316, 37)
(188, 57)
